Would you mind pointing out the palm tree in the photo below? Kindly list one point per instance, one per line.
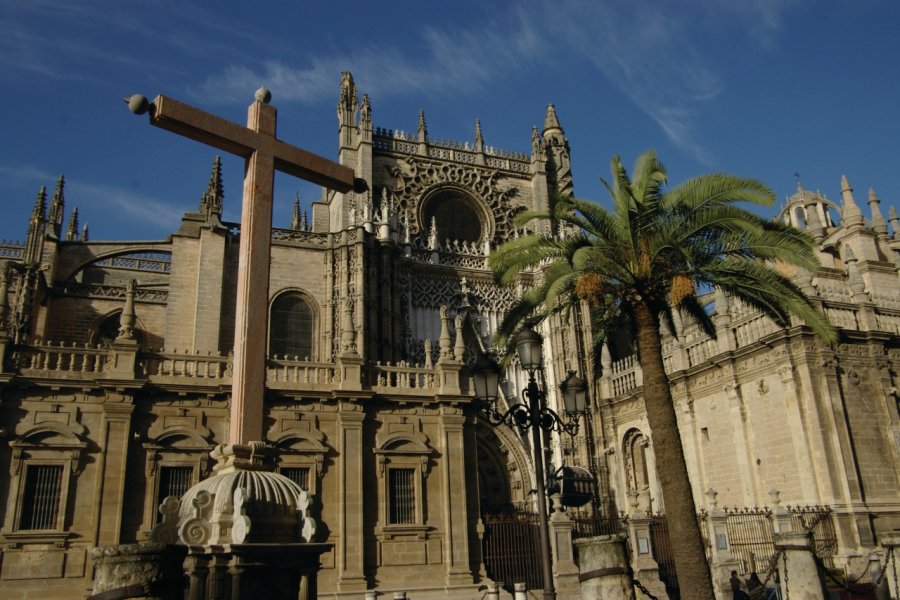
(651, 256)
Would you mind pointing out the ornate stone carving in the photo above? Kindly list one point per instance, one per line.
(415, 177)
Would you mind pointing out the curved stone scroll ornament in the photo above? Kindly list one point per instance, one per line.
(166, 532)
(196, 531)
(240, 526)
(307, 523)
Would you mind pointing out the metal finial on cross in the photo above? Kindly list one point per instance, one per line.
(263, 153)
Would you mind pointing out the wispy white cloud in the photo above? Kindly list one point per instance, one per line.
(101, 198)
(643, 49)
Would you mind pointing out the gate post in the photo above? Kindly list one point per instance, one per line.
(565, 570)
(891, 542)
(799, 573)
(723, 562)
(604, 568)
(646, 569)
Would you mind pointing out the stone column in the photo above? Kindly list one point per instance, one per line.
(350, 551)
(723, 562)
(453, 481)
(110, 486)
(604, 568)
(565, 570)
(646, 569)
(800, 576)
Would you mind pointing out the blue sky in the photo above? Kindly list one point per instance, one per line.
(763, 89)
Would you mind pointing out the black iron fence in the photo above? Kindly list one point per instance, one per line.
(511, 546)
(511, 549)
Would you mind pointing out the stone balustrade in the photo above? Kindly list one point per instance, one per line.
(56, 359)
(402, 376)
(169, 365)
(173, 367)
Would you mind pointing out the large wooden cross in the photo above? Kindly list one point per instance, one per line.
(263, 153)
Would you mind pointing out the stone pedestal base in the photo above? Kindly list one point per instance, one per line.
(148, 571)
(800, 578)
(603, 568)
(269, 571)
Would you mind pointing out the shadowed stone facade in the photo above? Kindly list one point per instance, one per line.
(116, 372)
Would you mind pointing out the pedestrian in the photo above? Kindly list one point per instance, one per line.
(736, 592)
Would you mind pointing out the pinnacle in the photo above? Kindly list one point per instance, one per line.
(551, 121)
(211, 201)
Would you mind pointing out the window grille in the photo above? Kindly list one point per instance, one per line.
(291, 327)
(402, 500)
(173, 481)
(299, 475)
(40, 502)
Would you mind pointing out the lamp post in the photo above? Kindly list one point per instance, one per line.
(532, 414)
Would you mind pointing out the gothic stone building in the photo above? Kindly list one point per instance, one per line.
(115, 361)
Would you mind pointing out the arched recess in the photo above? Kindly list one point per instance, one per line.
(45, 458)
(640, 469)
(505, 475)
(293, 325)
(458, 214)
(301, 458)
(177, 457)
(403, 464)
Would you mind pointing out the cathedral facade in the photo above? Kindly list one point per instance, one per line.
(115, 372)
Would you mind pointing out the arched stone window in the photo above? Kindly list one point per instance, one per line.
(457, 215)
(291, 327)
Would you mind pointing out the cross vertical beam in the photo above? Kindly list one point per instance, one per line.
(263, 154)
(252, 305)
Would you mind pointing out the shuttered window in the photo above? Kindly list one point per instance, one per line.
(402, 497)
(299, 475)
(40, 502)
(173, 481)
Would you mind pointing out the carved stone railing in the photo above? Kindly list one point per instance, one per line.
(282, 372)
(311, 238)
(402, 377)
(11, 249)
(168, 366)
(746, 327)
(401, 142)
(183, 368)
(48, 359)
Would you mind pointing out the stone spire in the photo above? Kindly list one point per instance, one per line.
(479, 137)
(295, 215)
(850, 213)
(4, 291)
(57, 208)
(84, 233)
(878, 223)
(72, 228)
(347, 107)
(895, 222)
(536, 150)
(128, 317)
(422, 129)
(211, 201)
(35, 241)
(551, 122)
(556, 147)
(365, 118)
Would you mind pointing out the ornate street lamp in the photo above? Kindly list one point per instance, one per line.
(532, 414)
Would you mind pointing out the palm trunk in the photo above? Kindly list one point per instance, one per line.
(694, 577)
